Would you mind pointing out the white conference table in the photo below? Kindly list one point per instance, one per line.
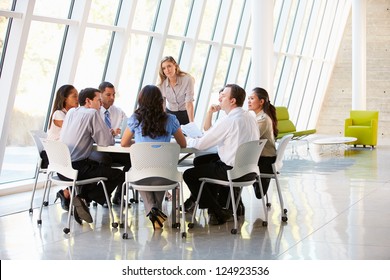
(117, 148)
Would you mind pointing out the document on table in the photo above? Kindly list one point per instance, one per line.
(191, 130)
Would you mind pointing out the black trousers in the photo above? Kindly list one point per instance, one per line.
(88, 169)
(182, 116)
(110, 158)
(265, 165)
(216, 170)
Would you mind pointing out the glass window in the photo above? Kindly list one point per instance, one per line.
(59, 9)
(92, 58)
(32, 99)
(103, 12)
(209, 20)
(234, 22)
(172, 48)
(131, 75)
(145, 14)
(179, 18)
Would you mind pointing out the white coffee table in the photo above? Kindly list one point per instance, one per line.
(336, 142)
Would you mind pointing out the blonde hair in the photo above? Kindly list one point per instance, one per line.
(173, 61)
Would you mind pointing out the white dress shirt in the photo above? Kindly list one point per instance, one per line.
(238, 127)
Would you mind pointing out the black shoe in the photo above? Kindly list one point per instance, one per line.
(82, 209)
(64, 201)
(220, 217)
(77, 218)
(189, 205)
(117, 201)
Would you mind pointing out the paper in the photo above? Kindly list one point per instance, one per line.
(191, 130)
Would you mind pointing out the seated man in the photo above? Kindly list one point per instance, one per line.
(238, 127)
(114, 117)
(81, 128)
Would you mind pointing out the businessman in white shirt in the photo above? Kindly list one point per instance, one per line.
(114, 117)
(238, 127)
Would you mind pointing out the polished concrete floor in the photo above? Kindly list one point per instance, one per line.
(338, 209)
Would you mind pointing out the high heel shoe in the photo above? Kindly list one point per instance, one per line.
(159, 214)
(64, 201)
(157, 224)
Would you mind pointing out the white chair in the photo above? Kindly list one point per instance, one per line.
(37, 136)
(60, 162)
(276, 167)
(154, 168)
(245, 163)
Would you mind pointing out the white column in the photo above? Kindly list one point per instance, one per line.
(359, 55)
(262, 49)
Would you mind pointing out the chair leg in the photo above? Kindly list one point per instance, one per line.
(47, 185)
(71, 208)
(183, 217)
(124, 195)
(113, 223)
(265, 222)
(234, 206)
(191, 225)
(282, 209)
(33, 190)
(125, 234)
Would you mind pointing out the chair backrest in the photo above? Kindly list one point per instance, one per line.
(38, 136)
(280, 152)
(59, 159)
(363, 117)
(154, 159)
(285, 125)
(247, 158)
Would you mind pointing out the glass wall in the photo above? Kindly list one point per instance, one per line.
(85, 42)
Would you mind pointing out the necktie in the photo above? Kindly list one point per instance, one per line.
(107, 118)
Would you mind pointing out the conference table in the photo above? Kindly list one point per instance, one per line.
(117, 148)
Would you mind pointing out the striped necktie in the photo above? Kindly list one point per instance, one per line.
(107, 118)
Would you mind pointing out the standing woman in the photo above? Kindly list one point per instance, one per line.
(66, 98)
(150, 123)
(265, 112)
(177, 88)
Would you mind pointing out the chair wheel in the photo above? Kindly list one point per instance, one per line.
(184, 235)
(191, 225)
(39, 222)
(30, 211)
(114, 225)
(284, 219)
(234, 231)
(45, 203)
(66, 230)
(121, 225)
(268, 205)
(265, 223)
(125, 236)
(285, 211)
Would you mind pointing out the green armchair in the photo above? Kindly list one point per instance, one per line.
(364, 126)
(286, 126)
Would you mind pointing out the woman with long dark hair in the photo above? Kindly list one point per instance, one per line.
(265, 112)
(150, 123)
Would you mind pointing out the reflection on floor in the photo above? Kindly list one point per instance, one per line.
(338, 208)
